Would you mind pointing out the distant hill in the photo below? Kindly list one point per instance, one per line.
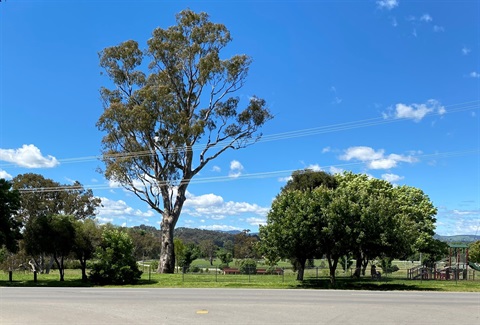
(191, 235)
(457, 238)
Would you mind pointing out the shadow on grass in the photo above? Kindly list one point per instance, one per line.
(46, 283)
(362, 284)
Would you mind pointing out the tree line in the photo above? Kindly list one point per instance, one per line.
(317, 214)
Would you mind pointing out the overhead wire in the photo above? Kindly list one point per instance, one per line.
(453, 108)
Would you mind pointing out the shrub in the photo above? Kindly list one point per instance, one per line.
(154, 266)
(116, 263)
(248, 266)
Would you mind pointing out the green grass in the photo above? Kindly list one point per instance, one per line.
(210, 280)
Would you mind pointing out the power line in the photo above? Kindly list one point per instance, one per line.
(454, 108)
(267, 174)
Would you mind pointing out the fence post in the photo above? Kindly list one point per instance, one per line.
(10, 276)
(34, 276)
(216, 273)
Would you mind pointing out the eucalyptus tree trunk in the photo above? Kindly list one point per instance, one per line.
(166, 263)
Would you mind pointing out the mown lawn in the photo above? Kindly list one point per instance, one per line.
(212, 280)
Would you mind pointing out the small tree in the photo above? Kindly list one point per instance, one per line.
(190, 254)
(54, 235)
(116, 264)
(9, 225)
(474, 252)
(248, 266)
(87, 238)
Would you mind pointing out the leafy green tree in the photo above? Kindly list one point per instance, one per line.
(179, 251)
(88, 237)
(9, 225)
(293, 226)
(308, 179)
(474, 252)
(115, 261)
(42, 197)
(225, 256)
(52, 234)
(207, 249)
(190, 254)
(245, 245)
(248, 266)
(164, 125)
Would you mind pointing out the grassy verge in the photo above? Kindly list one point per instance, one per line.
(212, 280)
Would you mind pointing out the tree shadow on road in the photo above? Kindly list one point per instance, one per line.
(362, 284)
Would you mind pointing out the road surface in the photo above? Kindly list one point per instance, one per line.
(69, 306)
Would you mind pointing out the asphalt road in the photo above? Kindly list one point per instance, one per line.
(35, 306)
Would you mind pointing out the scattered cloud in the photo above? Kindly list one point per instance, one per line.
(426, 18)
(336, 100)
(438, 29)
(326, 149)
(5, 175)
(458, 222)
(28, 156)
(376, 159)
(216, 169)
(236, 169)
(387, 4)
(314, 167)
(414, 32)
(119, 209)
(394, 22)
(466, 50)
(414, 111)
(474, 74)
(213, 206)
(220, 227)
(392, 178)
(257, 221)
(284, 179)
(335, 170)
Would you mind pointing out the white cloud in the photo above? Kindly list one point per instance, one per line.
(206, 200)
(335, 170)
(220, 227)
(326, 149)
(5, 175)
(28, 156)
(375, 159)
(474, 74)
(314, 167)
(362, 153)
(438, 29)
(285, 179)
(120, 209)
(387, 4)
(212, 206)
(426, 18)
(257, 221)
(415, 111)
(236, 169)
(216, 169)
(465, 50)
(392, 178)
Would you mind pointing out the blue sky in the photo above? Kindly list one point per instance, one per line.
(389, 88)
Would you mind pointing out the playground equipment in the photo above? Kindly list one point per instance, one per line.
(455, 267)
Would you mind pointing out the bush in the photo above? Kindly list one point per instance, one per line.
(116, 263)
(222, 266)
(154, 266)
(193, 269)
(248, 266)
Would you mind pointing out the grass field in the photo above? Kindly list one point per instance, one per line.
(216, 280)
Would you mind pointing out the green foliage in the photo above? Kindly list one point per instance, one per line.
(474, 252)
(245, 245)
(387, 266)
(345, 262)
(248, 266)
(9, 224)
(115, 261)
(307, 180)
(189, 254)
(181, 99)
(224, 256)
